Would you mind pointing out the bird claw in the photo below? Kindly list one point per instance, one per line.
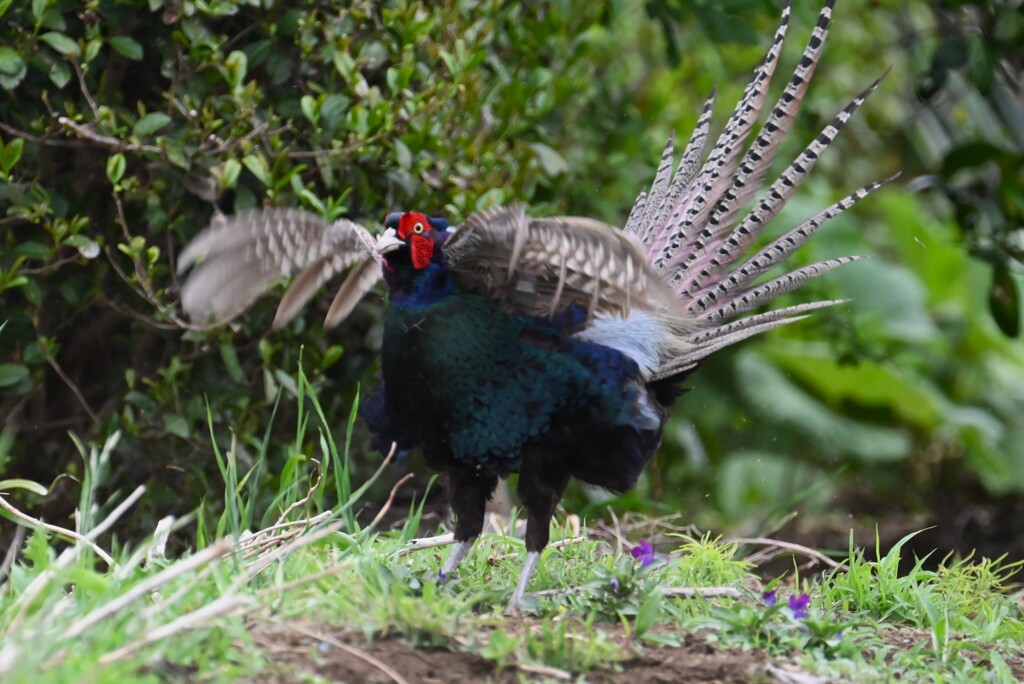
(514, 609)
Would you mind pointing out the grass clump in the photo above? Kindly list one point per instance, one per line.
(306, 571)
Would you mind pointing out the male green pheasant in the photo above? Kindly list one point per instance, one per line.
(548, 347)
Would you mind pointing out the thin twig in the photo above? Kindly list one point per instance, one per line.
(314, 482)
(49, 268)
(705, 592)
(788, 546)
(262, 563)
(426, 543)
(387, 504)
(561, 543)
(544, 671)
(667, 592)
(118, 511)
(11, 130)
(351, 650)
(35, 523)
(108, 142)
(142, 286)
(256, 543)
(85, 90)
(68, 381)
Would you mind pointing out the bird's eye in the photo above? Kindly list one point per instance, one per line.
(418, 228)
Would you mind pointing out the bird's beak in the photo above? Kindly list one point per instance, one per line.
(388, 241)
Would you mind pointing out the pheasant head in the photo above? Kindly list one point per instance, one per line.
(412, 238)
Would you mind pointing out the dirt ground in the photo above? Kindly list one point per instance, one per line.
(302, 650)
(299, 651)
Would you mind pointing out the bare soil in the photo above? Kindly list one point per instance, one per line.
(341, 656)
(300, 652)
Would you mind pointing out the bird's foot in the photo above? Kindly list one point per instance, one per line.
(515, 604)
(456, 556)
(514, 609)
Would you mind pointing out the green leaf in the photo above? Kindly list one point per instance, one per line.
(344, 64)
(116, 165)
(647, 613)
(21, 483)
(869, 385)
(92, 48)
(4, 6)
(308, 106)
(127, 47)
(1004, 301)
(237, 64)
(86, 246)
(403, 155)
(552, 162)
(176, 425)
(257, 165)
(61, 43)
(229, 174)
(39, 9)
(332, 110)
(331, 356)
(230, 358)
(10, 154)
(60, 74)
(12, 373)
(11, 63)
(150, 124)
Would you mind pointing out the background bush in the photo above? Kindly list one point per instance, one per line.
(125, 124)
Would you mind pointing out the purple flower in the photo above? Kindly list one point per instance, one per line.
(770, 599)
(643, 552)
(615, 583)
(799, 605)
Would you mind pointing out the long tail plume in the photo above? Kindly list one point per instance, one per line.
(689, 221)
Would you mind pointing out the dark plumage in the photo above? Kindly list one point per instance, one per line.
(551, 347)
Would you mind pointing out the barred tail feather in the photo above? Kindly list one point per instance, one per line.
(680, 193)
(762, 151)
(690, 225)
(712, 179)
(778, 250)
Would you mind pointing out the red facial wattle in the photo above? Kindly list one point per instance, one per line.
(422, 251)
(415, 229)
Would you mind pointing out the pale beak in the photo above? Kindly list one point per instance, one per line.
(388, 241)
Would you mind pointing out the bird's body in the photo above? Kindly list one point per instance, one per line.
(551, 347)
(473, 386)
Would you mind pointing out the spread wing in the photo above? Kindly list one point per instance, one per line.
(238, 258)
(541, 265)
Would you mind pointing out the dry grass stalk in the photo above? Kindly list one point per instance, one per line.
(66, 558)
(775, 547)
(35, 523)
(196, 619)
(216, 551)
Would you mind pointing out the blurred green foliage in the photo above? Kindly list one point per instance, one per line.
(124, 125)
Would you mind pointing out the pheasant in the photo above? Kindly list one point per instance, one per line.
(549, 347)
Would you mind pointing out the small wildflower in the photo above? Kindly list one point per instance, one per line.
(799, 605)
(441, 577)
(614, 583)
(643, 552)
(770, 599)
